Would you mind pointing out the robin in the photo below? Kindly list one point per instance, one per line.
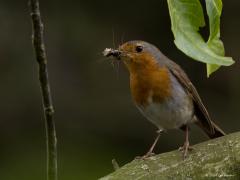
(163, 92)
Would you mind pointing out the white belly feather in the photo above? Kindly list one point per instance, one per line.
(172, 113)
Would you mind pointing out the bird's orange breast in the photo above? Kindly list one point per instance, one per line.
(150, 82)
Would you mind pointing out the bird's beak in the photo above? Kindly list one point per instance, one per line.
(108, 52)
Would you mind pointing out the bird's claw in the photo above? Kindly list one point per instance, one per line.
(147, 155)
(185, 149)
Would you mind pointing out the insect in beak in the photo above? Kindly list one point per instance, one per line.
(112, 52)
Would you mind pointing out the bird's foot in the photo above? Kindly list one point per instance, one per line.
(147, 155)
(150, 152)
(185, 149)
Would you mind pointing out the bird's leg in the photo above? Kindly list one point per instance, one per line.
(150, 151)
(186, 147)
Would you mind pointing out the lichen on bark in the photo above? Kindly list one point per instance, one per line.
(214, 159)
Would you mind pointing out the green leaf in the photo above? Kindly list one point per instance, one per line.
(186, 19)
(214, 10)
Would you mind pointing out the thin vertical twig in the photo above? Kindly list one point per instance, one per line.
(38, 43)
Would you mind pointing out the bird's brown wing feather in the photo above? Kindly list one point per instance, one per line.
(199, 109)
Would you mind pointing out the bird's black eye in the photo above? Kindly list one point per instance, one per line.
(139, 48)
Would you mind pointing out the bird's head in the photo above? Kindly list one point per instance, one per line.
(136, 55)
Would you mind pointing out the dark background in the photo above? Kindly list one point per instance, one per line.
(96, 120)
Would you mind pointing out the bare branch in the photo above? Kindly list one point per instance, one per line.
(214, 159)
(40, 53)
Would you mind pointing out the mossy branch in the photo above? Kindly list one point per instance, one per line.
(41, 57)
(213, 159)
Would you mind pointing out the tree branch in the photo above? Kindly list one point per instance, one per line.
(40, 53)
(213, 159)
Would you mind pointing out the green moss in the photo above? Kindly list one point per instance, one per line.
(213, 159)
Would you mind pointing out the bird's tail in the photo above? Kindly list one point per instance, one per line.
(217, 131)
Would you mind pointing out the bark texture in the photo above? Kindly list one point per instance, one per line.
(41, 57)
(214, 159)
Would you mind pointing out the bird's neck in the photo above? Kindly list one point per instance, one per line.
(150, 84)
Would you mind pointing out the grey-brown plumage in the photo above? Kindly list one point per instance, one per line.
(162, 91)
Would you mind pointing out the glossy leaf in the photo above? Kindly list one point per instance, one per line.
(186, 19)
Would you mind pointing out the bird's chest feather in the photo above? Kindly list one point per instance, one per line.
(150, 84)
(162, 100)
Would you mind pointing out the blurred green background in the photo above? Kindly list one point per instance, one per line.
(96, 120)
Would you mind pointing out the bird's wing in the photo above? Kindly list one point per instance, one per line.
(200, 110)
